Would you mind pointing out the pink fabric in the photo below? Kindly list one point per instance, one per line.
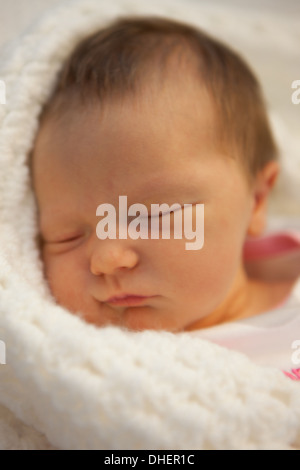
(271, 245)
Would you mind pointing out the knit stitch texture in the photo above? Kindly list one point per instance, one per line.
(69, 385)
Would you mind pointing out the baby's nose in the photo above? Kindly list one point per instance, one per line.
(112, 256)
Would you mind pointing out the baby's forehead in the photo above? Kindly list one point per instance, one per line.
(149, 135)
(152, 130)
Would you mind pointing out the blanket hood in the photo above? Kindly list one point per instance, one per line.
(88, 388)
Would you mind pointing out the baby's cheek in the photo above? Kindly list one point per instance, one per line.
(64, 280)
(214, 267)
(68, 281)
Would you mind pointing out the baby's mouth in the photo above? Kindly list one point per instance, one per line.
(128, 300)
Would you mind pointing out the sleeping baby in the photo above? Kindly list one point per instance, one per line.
(160, 114)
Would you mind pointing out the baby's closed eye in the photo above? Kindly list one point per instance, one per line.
(60, 243)
(164, 210)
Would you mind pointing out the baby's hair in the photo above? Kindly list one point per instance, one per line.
(121, 58)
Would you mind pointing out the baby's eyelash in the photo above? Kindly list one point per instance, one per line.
(69, 239)
(165, 213)
(63, 240)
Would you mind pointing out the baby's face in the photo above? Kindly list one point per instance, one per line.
(158, 149)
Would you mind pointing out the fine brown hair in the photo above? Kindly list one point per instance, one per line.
(119, 59)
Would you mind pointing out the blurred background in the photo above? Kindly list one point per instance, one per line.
(271, 46)
(17, 14)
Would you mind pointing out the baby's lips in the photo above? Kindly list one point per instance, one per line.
(128, 299)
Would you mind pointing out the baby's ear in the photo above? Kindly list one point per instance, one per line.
(264, 182)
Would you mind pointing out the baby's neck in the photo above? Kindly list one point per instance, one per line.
(249, 297)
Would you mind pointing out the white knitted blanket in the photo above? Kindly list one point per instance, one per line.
(69, 385)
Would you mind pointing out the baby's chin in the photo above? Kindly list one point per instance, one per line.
(134, 319)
